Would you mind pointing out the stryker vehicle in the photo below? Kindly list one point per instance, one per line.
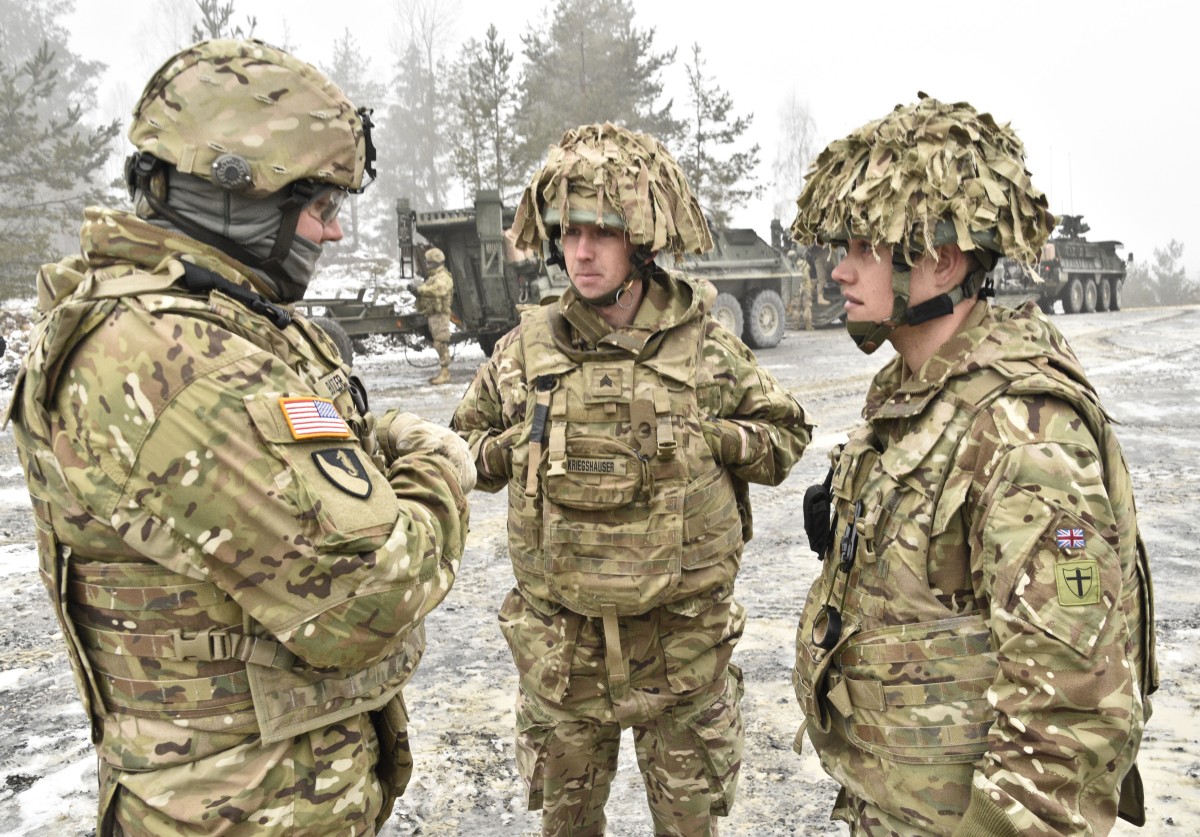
(1084, 275)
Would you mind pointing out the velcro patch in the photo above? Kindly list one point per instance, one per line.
(583, 465)
(1078, 583)
(343, 468)
(310, 417)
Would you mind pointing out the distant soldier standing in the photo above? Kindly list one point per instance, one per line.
(434, 297)
(240, 556)
(976, 656)
(625, 423)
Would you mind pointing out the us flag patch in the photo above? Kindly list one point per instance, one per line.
(313, 418)
(1070, 539)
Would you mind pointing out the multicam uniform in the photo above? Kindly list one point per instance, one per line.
(433, 300)
(625, 536)
(239, 573)
(996, 646)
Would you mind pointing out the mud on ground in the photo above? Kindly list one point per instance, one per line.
(461, 697)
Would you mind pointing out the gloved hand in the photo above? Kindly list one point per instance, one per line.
(728, 440)
(403, 433)
(497, 452)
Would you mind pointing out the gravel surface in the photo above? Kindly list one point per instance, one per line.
(461, 697)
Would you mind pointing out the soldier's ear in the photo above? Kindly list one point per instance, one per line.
(950, 268)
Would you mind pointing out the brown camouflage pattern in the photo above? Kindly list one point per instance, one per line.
(894, 179)
(435, 293)
(247, 98)
(963, 664)
(614, 177)
(170, 495)
(683, 696)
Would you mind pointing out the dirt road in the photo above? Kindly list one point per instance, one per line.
(461, 697)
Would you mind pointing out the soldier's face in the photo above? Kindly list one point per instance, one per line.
(865, 276)
(597, 258)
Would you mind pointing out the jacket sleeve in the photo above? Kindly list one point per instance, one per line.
(1050, 568)
(491, 415)
(747, 402)
(191, 458)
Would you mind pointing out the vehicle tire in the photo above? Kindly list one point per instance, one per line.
(1046, 304)
(1089, 295)
(1103, 295)
(487, 342)
(765, 320)
(1072, 297)
(339, 337)
(728, 312)
(1115, 303)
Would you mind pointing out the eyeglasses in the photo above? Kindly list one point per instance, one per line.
(326, 205)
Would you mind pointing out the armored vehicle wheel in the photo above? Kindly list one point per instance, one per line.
(487, 342)
(339, 337)
(1115, 302)
(1103, 295)
(1072, 297)
(765, 319)
(728, 313)
(1089, 295)
(1046, 304)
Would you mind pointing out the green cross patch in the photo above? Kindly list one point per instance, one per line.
(1078, 583)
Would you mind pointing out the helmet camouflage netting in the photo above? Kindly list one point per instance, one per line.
(614, 177)
(246, 99)
(924, 175)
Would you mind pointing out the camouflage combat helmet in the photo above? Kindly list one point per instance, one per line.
(613, 177)
(434, 256)
(250, 120)
(925, 175)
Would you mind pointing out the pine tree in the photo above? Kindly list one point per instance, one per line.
(216, 22)
(721, 178)
(485, 103)
(590, 64)
(351, 71)
(51, 160)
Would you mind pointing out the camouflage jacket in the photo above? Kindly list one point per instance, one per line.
(991, 672)
(627, 466)
(239, 574)
(434, 295)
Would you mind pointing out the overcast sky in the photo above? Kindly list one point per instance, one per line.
(1105, 94)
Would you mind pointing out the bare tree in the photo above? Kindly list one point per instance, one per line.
(216, 22)
(796, 148)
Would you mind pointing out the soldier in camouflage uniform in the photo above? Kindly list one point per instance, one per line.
(625, 423)
(239, 554)
(433, 300)
(976, 656)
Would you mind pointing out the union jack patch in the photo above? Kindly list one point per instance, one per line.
(1070, 539)
(313, 418)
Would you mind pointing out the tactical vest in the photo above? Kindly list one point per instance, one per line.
(907, 678)
(144, 641)
(616, 505)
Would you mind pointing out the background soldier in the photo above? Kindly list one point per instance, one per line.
(239, 555)
(976, 655)
(625, 423)
(434, 296)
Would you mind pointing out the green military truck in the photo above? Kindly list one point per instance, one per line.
(755, 281)
(1085, 276)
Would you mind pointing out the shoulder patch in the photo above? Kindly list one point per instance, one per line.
(1078, 582)
(344, 468)
(309, 417)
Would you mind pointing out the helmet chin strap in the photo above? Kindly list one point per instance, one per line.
(869, 336)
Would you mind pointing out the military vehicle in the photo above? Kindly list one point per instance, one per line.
(755, 281)
(1084, 275)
